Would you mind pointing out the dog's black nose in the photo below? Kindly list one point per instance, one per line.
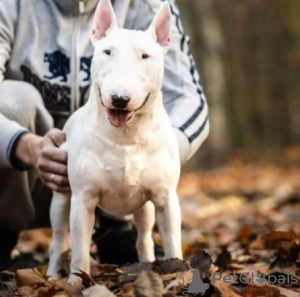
(120, 101)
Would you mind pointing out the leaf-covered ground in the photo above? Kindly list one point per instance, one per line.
(239, 220)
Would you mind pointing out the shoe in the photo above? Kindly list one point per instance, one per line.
(8, 240)
(116, 239)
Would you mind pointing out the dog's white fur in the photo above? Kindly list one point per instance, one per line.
(128, 169)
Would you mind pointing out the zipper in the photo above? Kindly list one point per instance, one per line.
(75, 54)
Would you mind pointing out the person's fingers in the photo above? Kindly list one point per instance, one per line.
(56, 168)
(57, 136)
(51, 161)
(53, 153)
(45, 165)
(57, 188)
(58, 180)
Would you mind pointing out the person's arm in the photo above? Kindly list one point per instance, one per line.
(10, 131)
(18, 147)
(183, 95)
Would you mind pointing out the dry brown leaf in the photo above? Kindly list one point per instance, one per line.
(170, 276)
(256, 291)
(75, 288)
(104, 269)
(190, 249)
(148, 284)
(275, 236)
(287, 245)
(25, 290)
(131, 272)
(128, 289)
(202, 261)
(224, 288)
(246, 235)
(223, 259)
(29, 277)
(47, 291)
(98, 291)
(169, 266)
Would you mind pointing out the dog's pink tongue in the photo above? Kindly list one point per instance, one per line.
(119, 118)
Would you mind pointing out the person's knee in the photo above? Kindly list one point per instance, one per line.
(18, 96)
(21, 102)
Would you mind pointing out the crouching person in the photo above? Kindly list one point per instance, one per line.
(45, 77)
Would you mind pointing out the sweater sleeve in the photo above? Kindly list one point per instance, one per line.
(10, 131)
(183, 94)
(7, 20)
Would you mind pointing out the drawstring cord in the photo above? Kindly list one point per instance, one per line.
(81, 6)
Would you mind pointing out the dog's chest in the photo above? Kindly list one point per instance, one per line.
(120, 178)
(125, 182)
(123, 170)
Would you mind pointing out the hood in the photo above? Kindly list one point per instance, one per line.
(87, 6)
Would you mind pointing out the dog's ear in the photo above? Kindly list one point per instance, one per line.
(104, 20)
(161, 26)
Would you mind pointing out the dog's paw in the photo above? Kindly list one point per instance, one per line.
(74, 280)
(53, 276)
(74, 284)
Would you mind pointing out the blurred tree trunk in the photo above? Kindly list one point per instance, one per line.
(248, 54)
(207, 38)
(288, 12)
(257, 74)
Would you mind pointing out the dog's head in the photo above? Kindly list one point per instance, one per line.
(127, 65)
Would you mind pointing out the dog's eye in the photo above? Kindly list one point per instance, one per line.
(107, 52)
(145, 56)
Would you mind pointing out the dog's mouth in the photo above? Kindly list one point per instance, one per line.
(119, 117)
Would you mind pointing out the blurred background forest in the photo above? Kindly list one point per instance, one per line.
(248, 56)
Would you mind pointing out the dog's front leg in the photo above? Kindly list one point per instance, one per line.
(144, 220)
(81, 226)
(59, 215)
(168, 219)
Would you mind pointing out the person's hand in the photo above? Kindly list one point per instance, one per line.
(44, 154)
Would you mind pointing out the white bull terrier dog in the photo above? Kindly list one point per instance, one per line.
(122, 153)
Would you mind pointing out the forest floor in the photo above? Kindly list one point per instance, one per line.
(240, 229)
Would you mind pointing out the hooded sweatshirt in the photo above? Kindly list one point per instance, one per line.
(46, 43)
